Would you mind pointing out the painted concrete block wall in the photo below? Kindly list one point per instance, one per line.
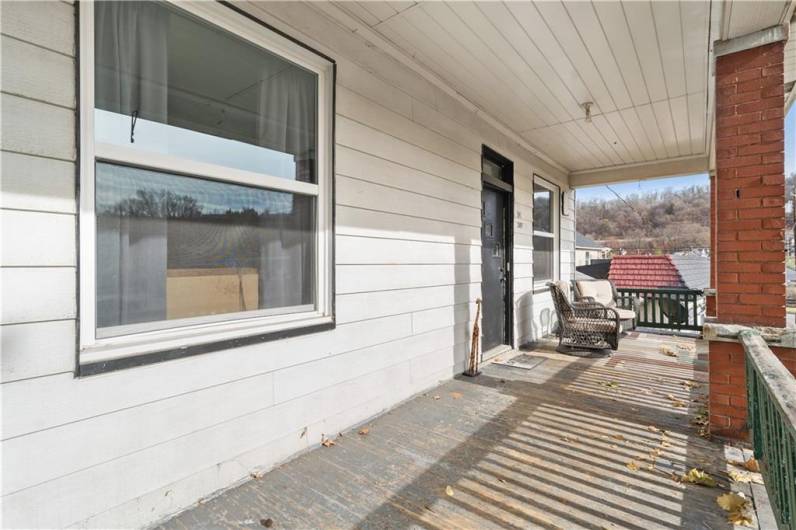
(129, 447)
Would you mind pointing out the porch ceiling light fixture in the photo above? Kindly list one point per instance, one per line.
(587, 108)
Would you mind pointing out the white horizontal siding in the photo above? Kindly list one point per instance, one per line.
(37, 239)
(36, 349)
(39, 184)
(103, 451)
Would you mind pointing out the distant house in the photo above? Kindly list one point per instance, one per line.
(587, 249)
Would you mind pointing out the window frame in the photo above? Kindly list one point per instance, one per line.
(211, 332)
(555, 212)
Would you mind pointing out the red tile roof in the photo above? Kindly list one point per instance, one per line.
(644, 272)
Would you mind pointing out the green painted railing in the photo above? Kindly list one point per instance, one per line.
(674, 309)
(771, 395)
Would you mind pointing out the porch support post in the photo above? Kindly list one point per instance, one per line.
(750, 186)
(747, 212)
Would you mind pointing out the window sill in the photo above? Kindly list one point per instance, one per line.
(149, 348)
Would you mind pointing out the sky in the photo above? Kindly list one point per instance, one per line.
(677, 183)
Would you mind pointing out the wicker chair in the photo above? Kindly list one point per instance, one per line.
(605, 293)
(588, 325)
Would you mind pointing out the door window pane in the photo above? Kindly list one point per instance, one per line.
(492, 169)
(171, 247)
(542, 258)
(170, 83)
(542, 209)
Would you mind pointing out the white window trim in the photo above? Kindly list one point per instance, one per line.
(555, 235)
(202, 330)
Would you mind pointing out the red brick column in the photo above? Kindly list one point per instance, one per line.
(727, 368)
(748, 220)
(750, 193)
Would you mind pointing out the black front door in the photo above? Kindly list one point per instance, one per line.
(494, 267)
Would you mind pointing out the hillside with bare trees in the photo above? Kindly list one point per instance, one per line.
(667, 221)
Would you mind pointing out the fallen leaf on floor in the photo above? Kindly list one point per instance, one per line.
(618, 437)
(257, 474)
(456, 395)
(303, 433)
(750, 465)
(652, 428)
(676, 402)
(610, 384)
(436, 397)
(732, 502)
(667, 350)
(268, 523)
(739, 519)
(690, 384)
(448, 491)
(501, 479)
(686, 347)
(697, 476)
(364, 431)
(744, 477)
(632, 466)
(327, 442)
(737, 505)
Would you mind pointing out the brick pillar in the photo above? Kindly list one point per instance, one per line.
(749, 184)
(727, 400)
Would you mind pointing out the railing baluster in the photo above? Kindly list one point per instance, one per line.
(772, 422)
(674, 309)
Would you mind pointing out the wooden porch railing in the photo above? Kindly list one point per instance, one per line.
(674, 309)
(771, 397)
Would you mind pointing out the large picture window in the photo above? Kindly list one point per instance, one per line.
(545, 232)
(205, 189)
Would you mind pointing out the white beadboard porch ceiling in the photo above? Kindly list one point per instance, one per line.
(645, 65)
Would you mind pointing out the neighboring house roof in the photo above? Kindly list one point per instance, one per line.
(596, 270)
(694, 270)
(582, 241)
(649, 272)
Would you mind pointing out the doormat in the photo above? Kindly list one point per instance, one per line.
(524, 361)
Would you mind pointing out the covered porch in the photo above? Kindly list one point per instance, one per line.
(555, 441)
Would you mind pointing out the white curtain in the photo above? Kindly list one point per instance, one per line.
(131, 78)
(131, 47)
(287, 123)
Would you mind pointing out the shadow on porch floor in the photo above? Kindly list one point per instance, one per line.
(547, 447)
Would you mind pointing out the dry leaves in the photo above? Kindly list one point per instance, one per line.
(456, 395)
(257, 474)
(448, 491)
(668, 350)
(750, 465)
(737, 505)
(652, 428)
(618, 437)
(436, 397)
(697, 476)
(610, 384)
(744, 477)
(632, 465)
(676, 402)
(364, 431)
(327, 442)
(268, 523)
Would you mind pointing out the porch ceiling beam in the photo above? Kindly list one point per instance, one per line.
(751, 40)
(672, 167)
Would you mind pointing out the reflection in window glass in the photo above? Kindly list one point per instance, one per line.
(491, 169)
(170, 83)
(172, 247)
(542, 209)
(542, 258)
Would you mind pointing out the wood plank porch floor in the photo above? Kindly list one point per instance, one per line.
(540, 448)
